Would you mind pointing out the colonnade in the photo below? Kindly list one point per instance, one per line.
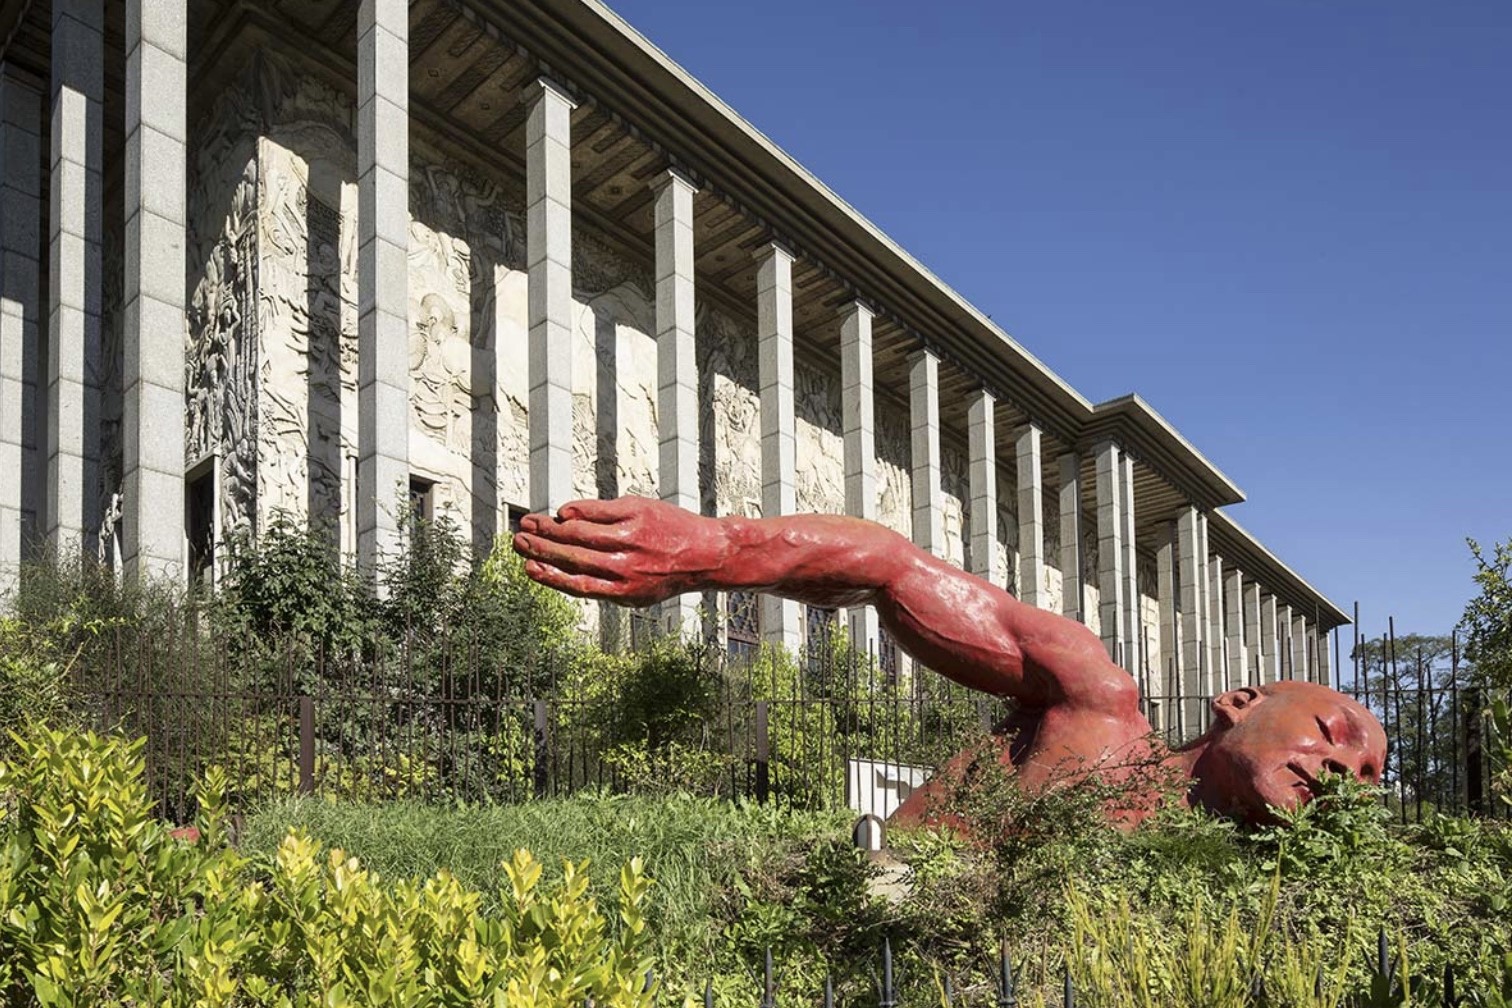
(1218, 626)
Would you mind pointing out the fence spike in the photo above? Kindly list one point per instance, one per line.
(889, 998)
(949, 993)
(1006, 996)
(768, 985)
(829, 991)
(1450, 998)
(1383, 959)
(1067, 998)
(709, 993)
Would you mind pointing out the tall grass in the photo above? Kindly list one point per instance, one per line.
(693, 848)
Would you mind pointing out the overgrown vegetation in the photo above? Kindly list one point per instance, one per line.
(100, 906)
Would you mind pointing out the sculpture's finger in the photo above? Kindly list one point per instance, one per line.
(617, 509)
(580, 585)
(579, 532)
(574, 559)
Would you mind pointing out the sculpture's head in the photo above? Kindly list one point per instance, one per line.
(1269, 744)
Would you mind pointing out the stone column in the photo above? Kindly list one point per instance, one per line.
(1270, 641)
(780, 618)
(982, 447)
(858, 405)
(1073, 598)
(1110, 554)
(383, 408)
(1167, 678)
(924, 407)
(1194, 655)
(1324, 663)
(1031, 516)
(548, 258)
(76, 212)
(20, 224)
(676, 368)
(154, 326)
(1217, 632)
(1301, 667)
(1284, 650)
(1134, 638)
(1254, 671)
(1238, 654)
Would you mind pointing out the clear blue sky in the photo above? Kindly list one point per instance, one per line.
(1288, 225)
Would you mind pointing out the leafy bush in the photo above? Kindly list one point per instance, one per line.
(99, 905)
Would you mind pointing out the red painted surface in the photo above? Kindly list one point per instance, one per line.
(1078, 713)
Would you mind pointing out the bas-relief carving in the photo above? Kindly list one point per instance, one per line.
(615, 433)
(222, 353)
(109, 382)
(307, 320)
(819, 433)
(894, 483)
(729, 414)
(955, 494)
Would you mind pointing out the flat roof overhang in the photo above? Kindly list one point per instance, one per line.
(592, 48)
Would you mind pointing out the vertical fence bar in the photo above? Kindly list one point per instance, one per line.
(306, 744)
(763, 753)
(1475, 778)
(542, 781)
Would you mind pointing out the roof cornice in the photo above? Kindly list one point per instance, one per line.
(585, 44)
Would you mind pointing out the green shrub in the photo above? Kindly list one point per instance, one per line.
(99, 905)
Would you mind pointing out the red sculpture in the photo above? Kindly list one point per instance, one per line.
(1078, 713)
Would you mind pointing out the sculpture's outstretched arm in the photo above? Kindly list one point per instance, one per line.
(638, 551)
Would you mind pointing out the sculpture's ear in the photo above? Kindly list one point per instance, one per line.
(1235, 705)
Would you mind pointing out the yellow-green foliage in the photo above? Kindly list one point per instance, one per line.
(100, 905)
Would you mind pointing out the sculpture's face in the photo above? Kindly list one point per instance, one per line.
(1269, 746)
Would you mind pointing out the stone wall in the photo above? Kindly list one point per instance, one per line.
(272, 356)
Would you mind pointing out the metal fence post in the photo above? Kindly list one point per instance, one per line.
(306, 745)
(763, 753)
(542, 750)
(1475, 779)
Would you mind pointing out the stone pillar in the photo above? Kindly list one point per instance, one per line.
(1270, 641)
(1134, 638)
(981, 438)
(1192, 563)
(74, 278)
(153, 296)
(780, 618)
(20, 223)
(1073, 598)
(1110, 554)
(924, 407)
(1287, 655)
(1254, 670)
(1238, 654)
(1031, 516)
(1166, 679)
(1217, 632)
(548, 258)
(676, 368)
(1324, 664)
(383, 408)
(1301, 667)
(858, 405)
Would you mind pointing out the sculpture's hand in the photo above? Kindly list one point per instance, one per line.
(631, 550)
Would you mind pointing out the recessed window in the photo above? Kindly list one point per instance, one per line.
(422, 501)
(199, 525)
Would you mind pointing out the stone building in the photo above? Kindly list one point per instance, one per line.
(323, 256)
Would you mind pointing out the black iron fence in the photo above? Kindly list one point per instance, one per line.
(440, 720)
(1386, 985)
